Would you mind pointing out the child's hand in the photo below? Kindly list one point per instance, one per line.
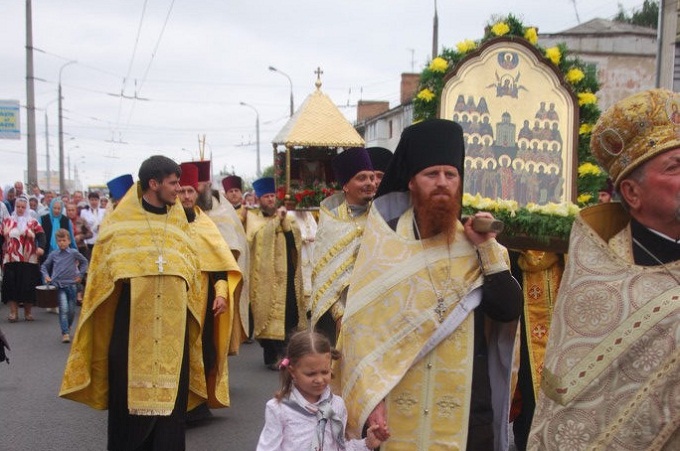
(78, 280)
(48, 279)
(379, 417)
(371, 440)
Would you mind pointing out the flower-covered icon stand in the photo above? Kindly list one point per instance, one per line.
(527, 113)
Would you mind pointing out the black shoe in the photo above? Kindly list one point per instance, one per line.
(198, 415)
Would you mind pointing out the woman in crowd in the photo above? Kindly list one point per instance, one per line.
(54, 220)
(23, 240)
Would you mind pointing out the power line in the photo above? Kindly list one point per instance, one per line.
(151, 60)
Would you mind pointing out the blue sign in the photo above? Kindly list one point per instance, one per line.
(10, 127)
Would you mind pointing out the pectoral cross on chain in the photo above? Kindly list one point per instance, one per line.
(440, 310)
(159, 261)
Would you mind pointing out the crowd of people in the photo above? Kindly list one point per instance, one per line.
(392, 322)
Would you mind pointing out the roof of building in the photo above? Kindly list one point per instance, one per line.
(319, 123)
(604, 27)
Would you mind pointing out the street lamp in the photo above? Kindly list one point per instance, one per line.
(257, 132)
(47, 146)
(62, 183)
(292, 108)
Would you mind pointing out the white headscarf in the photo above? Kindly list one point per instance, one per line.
(22, 221)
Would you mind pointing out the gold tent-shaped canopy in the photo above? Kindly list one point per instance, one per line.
(315, 134)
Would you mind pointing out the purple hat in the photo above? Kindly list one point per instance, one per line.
(119, 186)
(263, 186)
(349, 163)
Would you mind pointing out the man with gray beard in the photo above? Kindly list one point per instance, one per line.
(221, 212)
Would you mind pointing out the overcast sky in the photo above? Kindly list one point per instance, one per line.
(184, 66)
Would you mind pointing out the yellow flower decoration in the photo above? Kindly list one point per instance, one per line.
(466, 46)
(554, 55)
(583, 198)
(531, 35)
(584, 129)
(588, 169)
(586, 98)
(574, 75)
(439, 64)
(426, 95)
(500, 29)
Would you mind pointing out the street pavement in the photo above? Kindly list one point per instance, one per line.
(33, 417)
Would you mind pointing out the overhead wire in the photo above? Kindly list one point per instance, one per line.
(130, 65)
(151, 60)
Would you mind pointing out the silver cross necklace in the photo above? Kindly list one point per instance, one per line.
(440, 308)
(160, 260)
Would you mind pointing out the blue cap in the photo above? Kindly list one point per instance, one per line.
(119, 186)
(263, 186)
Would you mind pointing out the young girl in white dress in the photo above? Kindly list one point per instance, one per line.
(304, 414)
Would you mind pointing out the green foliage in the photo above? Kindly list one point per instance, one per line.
(268, 171)
(647, 16)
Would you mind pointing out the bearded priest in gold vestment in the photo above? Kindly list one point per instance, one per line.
(431, 316)
(137, 350)
(220, 281)
(276, 295)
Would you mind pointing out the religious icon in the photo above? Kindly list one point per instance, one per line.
(672, 110)
(507, 85)
(508, 60)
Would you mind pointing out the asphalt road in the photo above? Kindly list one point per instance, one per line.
(33, 417)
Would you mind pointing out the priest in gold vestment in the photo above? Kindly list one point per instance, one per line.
(276, 294)
(611, 377)
(342, 220)
(220, 281)
(431, 317)
(229, 224)
(137, 350)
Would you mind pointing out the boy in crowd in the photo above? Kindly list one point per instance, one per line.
(65, 269)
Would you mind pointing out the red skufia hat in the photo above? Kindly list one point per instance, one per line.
(203, 170)
(233, 181)
(189, 175)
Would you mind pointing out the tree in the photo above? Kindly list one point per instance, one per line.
(647, 16)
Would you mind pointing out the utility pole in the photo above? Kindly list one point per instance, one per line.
(435, 33)
(31, 151)
(47, 147)
(258, 172)
(62, 182)
(47, 151)
(292, 106)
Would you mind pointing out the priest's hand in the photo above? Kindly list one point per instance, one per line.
(379, 418)
(478, 238)
(219, 305)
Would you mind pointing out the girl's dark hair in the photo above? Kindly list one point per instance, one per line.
(302, 344)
